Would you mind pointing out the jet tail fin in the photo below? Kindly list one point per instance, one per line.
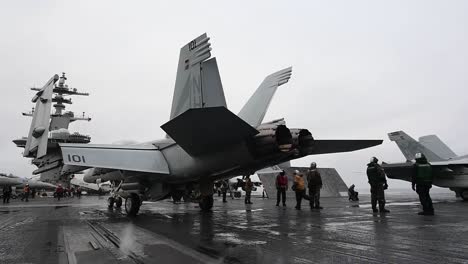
(433, 143)
(198, 83)
(256, 107)
(36, 145)
(409, 147)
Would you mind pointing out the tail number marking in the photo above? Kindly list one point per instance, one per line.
(192, 45)
(76, 158)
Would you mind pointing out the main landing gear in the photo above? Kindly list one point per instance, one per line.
(114, 202)
(206, 202)
(132, 204)
(206, 195)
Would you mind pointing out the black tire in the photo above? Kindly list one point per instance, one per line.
(206, 203)
(118, 202)
(110, 202)
(132, 204)
(177, 196)
(464, 195)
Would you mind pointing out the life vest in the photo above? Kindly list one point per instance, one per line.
(423, 173)
(375, 173)
(314, 178)
(282, 180)
(299, 181)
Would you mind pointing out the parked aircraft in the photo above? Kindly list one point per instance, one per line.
(104, 187)
(15, 181)
(205, 141)
(449, 169)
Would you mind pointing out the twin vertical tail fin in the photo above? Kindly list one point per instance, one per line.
(256, 107)
(409, 147)
(436, 145)
(198, 83)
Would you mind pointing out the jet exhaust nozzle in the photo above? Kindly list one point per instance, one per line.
(303, 140)
(272, 139)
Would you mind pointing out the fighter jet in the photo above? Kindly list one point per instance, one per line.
(205, 141)
(15, 181)
(449, 169)
(77, 180)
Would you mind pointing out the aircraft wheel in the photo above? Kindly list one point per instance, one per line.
(206, 202)
(177, 196)
(464, 195)
(110, 202)
(132, 204)
(118, 202)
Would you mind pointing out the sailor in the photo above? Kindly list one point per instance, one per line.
(281, 184)
(378, 184)
(26, 191)
(59, 191)
(352, 194)
(6, 193)
(422, 183)
(314, 181)
(248, 189)
(299, 188)
(224, 188)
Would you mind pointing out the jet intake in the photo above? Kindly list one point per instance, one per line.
(272, 139)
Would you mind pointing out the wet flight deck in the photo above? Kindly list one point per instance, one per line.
(85, 231)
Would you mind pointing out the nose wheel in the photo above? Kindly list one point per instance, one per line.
(132, 204)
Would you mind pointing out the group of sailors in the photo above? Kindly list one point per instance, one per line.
(60, 192)
(421, 183)
(314, 184)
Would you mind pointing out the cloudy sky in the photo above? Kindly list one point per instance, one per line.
(361, 69)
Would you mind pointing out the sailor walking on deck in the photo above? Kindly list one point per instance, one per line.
(299, 188)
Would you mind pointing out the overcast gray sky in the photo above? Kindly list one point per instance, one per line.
(361, 69)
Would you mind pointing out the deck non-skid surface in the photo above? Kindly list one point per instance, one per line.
(85, 231)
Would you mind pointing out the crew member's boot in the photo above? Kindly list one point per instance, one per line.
(382, 207)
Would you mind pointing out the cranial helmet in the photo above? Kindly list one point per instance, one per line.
(374, 159)
(296, 172)
(313, 165)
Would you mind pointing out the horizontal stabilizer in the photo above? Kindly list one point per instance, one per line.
(201, 130)
(336, 146)
(144, 158)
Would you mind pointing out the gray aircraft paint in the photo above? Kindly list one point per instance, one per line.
(208, 142)
(449, 170)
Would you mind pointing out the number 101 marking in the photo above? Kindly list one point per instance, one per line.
(76, 158)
